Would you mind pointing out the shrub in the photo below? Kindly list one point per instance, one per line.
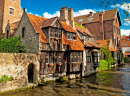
(12, 45)
(104, 65)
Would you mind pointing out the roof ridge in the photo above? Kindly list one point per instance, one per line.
(37, 15)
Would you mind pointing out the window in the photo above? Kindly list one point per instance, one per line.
(96, 57)
(115, 41)
(90, 40)
(128, 39)
(74, 36)
(88, 57)
(7, 34)
(51, 33)
(56, 33)
(51, 58)
(58, 57)
(81, 60)
(114, 28)
(80, 20)
(71, 36)
(90, 19)
(98, 38)
(11, 11)
(23, 32)
(60, 33)
(125, 44)
(47, 58)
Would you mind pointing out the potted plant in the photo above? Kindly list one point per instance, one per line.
(50, 65)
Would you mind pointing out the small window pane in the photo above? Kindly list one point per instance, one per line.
(11, 11)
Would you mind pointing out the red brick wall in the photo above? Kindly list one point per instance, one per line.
(16, 4)
(1, 14)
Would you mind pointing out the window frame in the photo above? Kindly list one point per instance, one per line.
(23, 32)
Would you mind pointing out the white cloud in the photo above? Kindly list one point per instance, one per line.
(57, 13)
(124, 6)
(126, 32)
(47, 15)
(115, 6)
(83, 12)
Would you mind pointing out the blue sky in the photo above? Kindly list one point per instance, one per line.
(51, 8)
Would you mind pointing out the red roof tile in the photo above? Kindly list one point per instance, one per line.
(74, 45)
(125, 42)
(67, 27)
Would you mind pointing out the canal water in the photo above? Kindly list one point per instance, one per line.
(118, 80)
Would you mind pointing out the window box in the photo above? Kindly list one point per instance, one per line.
(59, 64)
(56, 38)
(50, 65)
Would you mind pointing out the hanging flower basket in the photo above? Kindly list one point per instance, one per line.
(56, 38)
(50, 65)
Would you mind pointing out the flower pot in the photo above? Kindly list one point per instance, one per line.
(59, 64)
(50, 65)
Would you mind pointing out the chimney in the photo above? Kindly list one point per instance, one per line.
(71, 17)
(25, 9)
(64, 14)
(90, 14)
(101, 23)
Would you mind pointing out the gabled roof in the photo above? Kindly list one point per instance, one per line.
(107, 15)
(74, 44)
(102, 42)
(124, 38)
(37, 22)
(13, 27)
(67, 27)
(48, 22)
(83, 31)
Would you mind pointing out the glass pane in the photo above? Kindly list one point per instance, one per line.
(70, 35)
(51, 34)
(56, 54)
(47, 60)
(47, 54)
(60, 54)
(55, 59)
(51, 60)
(60, 60)
(51, 54)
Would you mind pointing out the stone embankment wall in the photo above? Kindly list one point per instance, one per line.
(16, 66)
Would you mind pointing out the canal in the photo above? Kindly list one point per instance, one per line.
(109, 83)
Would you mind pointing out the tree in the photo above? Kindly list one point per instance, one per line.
(125, 3)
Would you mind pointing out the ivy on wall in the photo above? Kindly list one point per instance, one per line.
(12, 45)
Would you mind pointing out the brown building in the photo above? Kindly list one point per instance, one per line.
(103, 26)
(62, 47)
(9, 10)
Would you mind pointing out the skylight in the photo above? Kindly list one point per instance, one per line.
(80, 20)
(90, 19)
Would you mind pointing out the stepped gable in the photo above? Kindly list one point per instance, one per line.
(107, 15)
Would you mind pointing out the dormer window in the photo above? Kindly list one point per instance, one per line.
(11, 11)
(90, 40)
(71, 36)
(90, 19)
(80, 20)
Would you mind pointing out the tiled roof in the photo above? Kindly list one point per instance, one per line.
(124, 38)
(74, 45)
(107, 15)
(37, 22)
(48, 22)
(102, 42)
(84, 31)
(125, 42)
(14, 26)
(67, 27)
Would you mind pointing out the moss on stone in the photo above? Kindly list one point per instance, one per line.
(79, 25)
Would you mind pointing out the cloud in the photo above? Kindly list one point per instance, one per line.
(83, 12)
(78, 13)
(47, 15)
(115, 6)
(125, 6)
(126, 32)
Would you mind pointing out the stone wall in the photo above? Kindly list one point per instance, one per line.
(16, 66)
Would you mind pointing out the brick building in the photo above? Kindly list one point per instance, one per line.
(103, 26)
(125, 44)
(9, 10)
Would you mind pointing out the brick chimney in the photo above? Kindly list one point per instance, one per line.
(64, 14)
(90, 14)
(101, 23)
(71, 17)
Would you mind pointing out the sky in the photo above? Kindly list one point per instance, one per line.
(51, 8)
